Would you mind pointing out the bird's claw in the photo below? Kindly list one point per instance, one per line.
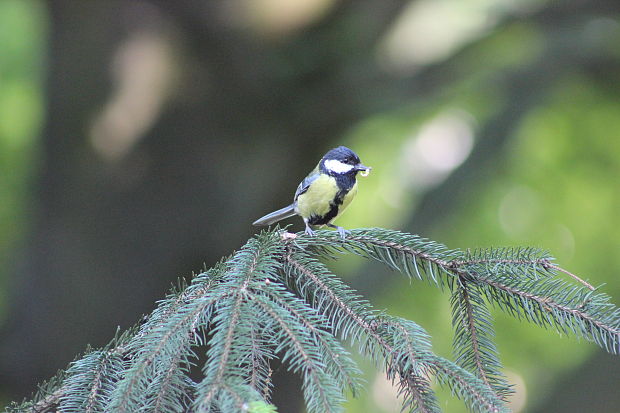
(341, 231)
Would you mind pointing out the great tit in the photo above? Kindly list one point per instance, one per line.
(325, 192)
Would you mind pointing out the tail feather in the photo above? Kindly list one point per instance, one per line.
(276, 216)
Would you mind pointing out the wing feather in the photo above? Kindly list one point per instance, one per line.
(305, 184)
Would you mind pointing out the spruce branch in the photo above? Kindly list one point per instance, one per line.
(413, 379)
(520, 281)
(259, 357)
(573, 276)
(527, 258)
(225, 373)
(337, 359)
(161, 345)
(43, 401)
(363, 326)
(275, 299)
(414, 359)
(319, 390)
(473, 341)
(417, 394)
(97, 372)
(348, 313)
(171, 391)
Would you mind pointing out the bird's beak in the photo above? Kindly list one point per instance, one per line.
(365, 170)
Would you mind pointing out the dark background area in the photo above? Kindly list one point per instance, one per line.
(139, 140)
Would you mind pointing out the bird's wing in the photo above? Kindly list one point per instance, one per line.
(305, 184)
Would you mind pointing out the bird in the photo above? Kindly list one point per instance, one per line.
(325, 193)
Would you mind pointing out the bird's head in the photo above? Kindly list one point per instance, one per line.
(342, 161)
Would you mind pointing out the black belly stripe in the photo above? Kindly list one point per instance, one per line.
(333, 210)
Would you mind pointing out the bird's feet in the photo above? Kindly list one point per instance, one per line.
(343, 232)
(309, 231)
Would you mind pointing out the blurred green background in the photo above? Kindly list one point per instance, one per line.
(139, 140)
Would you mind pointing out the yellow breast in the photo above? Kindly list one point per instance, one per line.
(318, 199)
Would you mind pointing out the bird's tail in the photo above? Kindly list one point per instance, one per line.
(276, 216)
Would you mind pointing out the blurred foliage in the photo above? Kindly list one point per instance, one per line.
(22, 38)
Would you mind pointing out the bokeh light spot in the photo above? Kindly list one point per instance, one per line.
(440, 146)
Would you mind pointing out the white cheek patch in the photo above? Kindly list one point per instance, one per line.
(338, 167)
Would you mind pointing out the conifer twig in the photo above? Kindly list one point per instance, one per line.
(573, 276)
(473, 331)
